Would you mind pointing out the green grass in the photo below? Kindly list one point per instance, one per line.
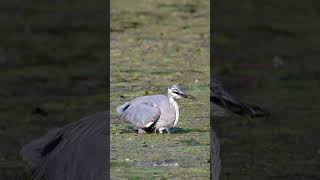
(155, 44)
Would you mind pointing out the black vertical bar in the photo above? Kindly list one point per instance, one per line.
(108, 86)
(215, 159)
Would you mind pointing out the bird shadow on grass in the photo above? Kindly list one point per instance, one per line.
(177, 130)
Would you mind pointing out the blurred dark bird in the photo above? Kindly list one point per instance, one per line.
(77, 151)
(223, 102)
(215, 157)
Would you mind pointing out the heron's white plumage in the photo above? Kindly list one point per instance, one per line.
(176, 107)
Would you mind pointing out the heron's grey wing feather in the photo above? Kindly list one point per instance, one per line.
(141, 113)
(122, 108)
(77, 151)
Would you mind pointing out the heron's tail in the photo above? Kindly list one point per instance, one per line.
(122, 108)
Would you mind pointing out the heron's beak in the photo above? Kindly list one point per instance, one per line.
(184, 95)
(187, 96)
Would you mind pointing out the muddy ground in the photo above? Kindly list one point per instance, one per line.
(268, 54)
(155, 44)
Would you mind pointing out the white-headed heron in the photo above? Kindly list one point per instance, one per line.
(153, 113)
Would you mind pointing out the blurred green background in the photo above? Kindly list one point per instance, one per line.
(268, 54)
(155, 44)
(52, 71)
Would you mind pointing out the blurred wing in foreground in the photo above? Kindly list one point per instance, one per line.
(77, 151)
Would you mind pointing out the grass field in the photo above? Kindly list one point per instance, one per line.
(155, 44)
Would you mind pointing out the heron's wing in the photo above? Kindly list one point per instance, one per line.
(77, 151)
(224, 99)
(141, 114)
(122, 108)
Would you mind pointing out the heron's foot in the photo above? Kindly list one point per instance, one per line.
(161, 130)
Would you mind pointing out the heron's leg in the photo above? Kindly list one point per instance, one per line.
(155, 130)
(167, 131)
(160, 130)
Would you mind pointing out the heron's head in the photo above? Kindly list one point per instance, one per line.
(176, 92)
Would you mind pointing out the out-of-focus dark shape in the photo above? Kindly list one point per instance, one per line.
(215, 159)
(223, 101)
(77, 151)
(40, 111)
(278, 62)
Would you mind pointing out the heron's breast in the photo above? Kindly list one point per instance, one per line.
(168, 114)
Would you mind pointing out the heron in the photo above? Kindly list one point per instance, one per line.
(77, 151)
(155, 112)
(223, 102)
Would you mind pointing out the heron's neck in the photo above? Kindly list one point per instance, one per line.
(176, 107)
(171, 98)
